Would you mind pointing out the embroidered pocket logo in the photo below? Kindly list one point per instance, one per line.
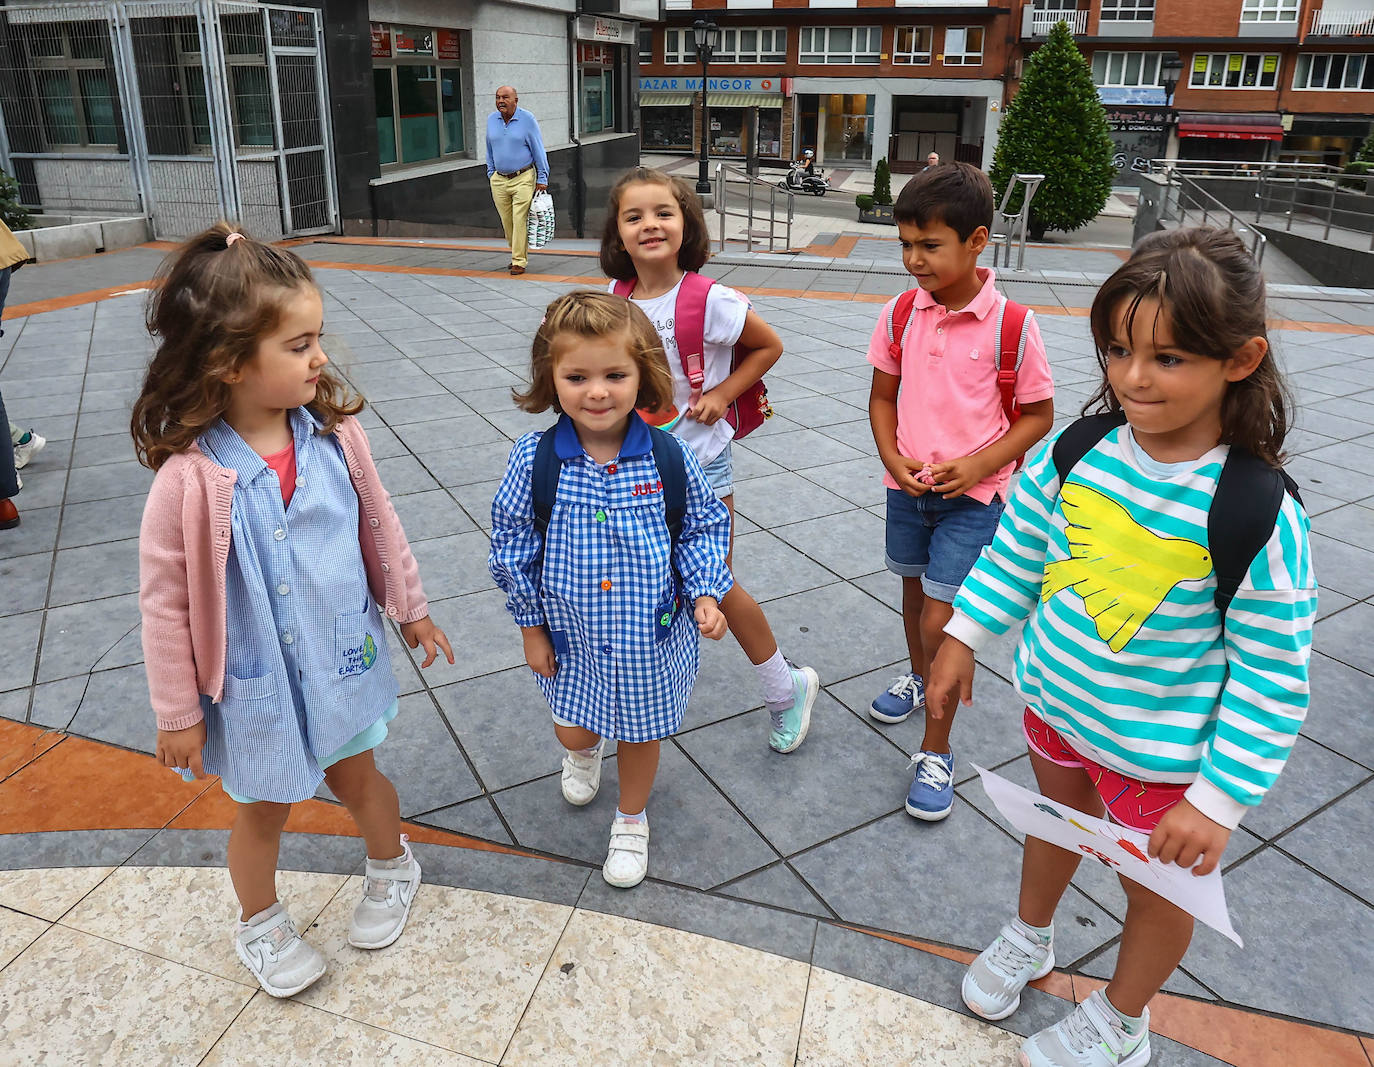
(359, 659)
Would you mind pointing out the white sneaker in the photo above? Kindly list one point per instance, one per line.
(992, 985)
(582, 776)
(271, 948)
(388, 892)
(627, 862)
(25, 452)
(1091, 1036)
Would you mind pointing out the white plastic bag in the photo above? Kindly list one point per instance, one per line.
(541, 220)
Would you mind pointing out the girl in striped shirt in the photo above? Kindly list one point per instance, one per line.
(1143, 698)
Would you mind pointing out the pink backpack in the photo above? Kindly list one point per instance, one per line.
(751, 407)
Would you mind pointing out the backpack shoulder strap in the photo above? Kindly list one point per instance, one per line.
(899, 315)
(1013, 321)
(1241, 520)
(1078, 440)
(624, 287)
(544, 480)
(689, 326)
(672, 472)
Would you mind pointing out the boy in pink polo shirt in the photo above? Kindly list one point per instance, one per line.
(944, 437)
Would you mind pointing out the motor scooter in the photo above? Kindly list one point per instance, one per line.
(799, 181)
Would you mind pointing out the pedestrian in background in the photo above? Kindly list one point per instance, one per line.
(517, 168)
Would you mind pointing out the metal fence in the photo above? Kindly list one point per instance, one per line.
(187, 111)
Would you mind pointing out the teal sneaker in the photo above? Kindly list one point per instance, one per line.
(791, 721)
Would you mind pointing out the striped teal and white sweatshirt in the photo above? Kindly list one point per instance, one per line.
(1123, 651)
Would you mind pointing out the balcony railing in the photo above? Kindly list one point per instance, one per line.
(1036, 23)
(1342, 23)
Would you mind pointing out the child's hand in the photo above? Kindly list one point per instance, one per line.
(1185, 835)
(907, 474)
(710, 619)
(955, 477)
(951, 677)
(539, 650)
(424, 632)
(709, 409)
(180, 749)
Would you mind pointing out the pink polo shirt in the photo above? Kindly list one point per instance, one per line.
(949, 404)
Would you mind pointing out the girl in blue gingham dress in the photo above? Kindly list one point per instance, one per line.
(597, 598)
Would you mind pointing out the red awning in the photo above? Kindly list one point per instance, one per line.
(1230, 132)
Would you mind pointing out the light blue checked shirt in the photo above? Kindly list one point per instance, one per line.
(307, 667)
(605, 582)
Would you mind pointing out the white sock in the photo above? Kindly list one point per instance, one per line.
(776, 678)
(643, 816)
(588, 752)
(1043, 934)
(395, 862)
(1133, 1023)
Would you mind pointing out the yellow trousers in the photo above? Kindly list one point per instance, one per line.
(512, 197)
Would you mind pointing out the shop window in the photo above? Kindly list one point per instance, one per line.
(417, 79)
(848, 126)
(679, 46)
(841, 44)
(666, 127)
(913, 45)
(1128, 10)
(754, 45)
(963, 46)
(1334, 71)
(646, 44)
(1234, 70)
(1131, 70)
(598, 76)
(1269, 11)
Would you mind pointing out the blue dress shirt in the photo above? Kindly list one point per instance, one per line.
(514, 145)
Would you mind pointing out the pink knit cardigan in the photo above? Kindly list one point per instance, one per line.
(183, 553)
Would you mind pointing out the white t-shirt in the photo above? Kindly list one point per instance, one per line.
(725, 314)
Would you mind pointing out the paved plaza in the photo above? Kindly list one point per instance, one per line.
(794, 912)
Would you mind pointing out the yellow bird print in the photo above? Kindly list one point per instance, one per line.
(1122, 571)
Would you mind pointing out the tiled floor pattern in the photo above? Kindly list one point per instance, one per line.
(777, 851)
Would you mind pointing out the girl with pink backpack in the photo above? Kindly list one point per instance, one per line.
(718, 350)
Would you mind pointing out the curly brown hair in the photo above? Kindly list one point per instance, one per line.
(1210, 287)
(588, 313)
(214, 301)
(696, 243)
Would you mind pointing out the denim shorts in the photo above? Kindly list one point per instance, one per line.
(938, 540)
(720, 473)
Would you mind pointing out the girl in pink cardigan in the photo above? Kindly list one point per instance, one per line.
(268, 546)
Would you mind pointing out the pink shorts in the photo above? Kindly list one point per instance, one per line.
(1131, 802)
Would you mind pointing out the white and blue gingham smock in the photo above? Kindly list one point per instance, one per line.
(605, 582)
(307, 665)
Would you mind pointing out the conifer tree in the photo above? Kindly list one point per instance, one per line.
(882, 182)
(1056, 126)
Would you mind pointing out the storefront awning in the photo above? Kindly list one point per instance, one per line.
(1230, 132)
(744, 100)
(666, 99)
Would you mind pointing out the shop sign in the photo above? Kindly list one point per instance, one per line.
(381, 41)
(447, 41)
(767, 84)
(1139, 134)
(1138, 119)
(612, 31)
(414, 41)
(1145, 94)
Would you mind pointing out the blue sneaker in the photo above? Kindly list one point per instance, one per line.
(902, 697)
(791, 721)
(932, 792)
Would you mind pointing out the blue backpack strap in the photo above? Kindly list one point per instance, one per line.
(544, 481)
(1245, 508)
(1079, 437)
(672, 472)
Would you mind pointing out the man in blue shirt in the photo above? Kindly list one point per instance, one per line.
(516, 167)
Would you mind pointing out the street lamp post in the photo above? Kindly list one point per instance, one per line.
(707, 37)
(1170, 67)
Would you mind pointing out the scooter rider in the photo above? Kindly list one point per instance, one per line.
(807, 162)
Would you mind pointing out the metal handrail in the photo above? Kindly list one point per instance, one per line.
(1209, 206)
(1237, 167)
(727, 176)
(1002, 240)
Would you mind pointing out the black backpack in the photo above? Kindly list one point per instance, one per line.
(1244, 508)
(672, 472)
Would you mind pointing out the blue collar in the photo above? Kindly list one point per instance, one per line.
(638, 441)
(222, 444)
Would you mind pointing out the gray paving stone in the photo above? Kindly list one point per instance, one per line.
(81, 637)
(802, 449)
(697, 837)
(318, 853)
(793, 799)
(484, 638)
(1277, 906)
(92, 571)
(25, 582)
(778, 886)
(782, 498)
(19, 637)
(859, 481)
(113, 706)
(70, 848)
(1333, 717)
(868, 877)
(1345, 636)
(475, 818)
(769, 567)
(1312, 777)
(836, 629)
(850, 544)
(454, 565)
(106, 482)
(1323, 843)
(98, 521)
